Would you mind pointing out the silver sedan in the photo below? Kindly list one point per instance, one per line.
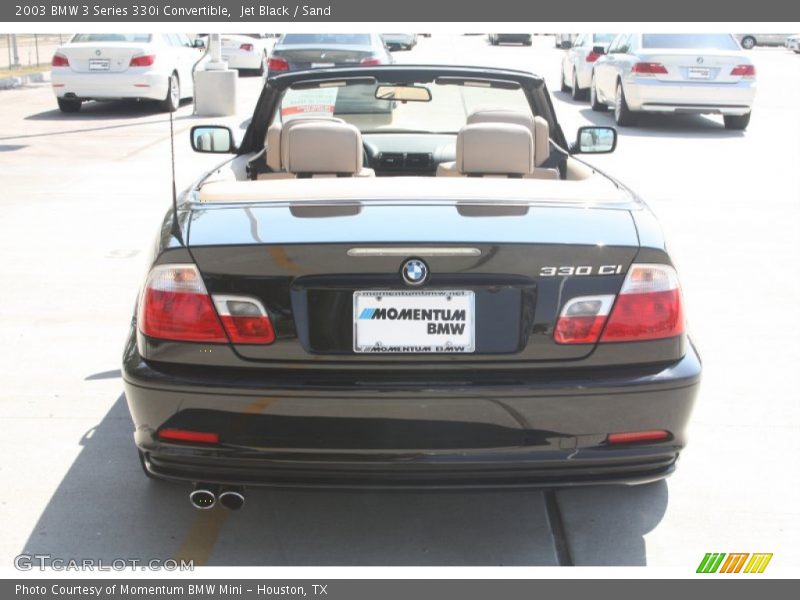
(675, 73)
(578, 60)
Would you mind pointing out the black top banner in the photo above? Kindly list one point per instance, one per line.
(435, 11)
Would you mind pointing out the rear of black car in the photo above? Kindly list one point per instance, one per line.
(301, 51)
(290, 345)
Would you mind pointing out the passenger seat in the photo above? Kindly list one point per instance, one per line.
(538, 127)
(491, 150)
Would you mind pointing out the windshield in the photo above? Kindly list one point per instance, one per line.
(345, 39)
(446, 112)
(690, 41)
(112, 37)
(604, 38)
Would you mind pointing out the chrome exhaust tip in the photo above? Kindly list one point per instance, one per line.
(231, 499)
(202, 498)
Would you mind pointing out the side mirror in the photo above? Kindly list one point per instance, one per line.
(599, 50)
(566, 45)
(198, 43)
(214, 139)
(595, 140)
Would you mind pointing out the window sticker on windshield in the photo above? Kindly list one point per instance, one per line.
(308, 103)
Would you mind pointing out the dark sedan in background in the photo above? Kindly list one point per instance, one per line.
(526, 39)
(301, 51)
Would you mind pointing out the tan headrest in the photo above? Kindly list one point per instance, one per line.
(537, 125)
(275, 155)
(494, 149)
(322, 147)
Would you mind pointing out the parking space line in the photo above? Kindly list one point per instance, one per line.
(202, 536)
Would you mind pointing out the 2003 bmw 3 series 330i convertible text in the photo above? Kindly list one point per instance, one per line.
(404, 277)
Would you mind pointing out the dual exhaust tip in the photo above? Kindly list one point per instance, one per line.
(204, 497)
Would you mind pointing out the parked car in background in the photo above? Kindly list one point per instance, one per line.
(246, 51)
(751, 40)
(793, 42)
(563, 38)
(578, 60)
(701, 73)
(115, 66)
(400, 41)
(526, 39)
(298, 51)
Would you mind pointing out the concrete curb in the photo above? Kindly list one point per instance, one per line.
(8, 83)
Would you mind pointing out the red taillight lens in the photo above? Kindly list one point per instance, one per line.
(371, 61)
(245, 319)
(246, 47)
(648, 307)
(145, 60)
(176, 306)
(648, 68)
(278, 64)
(592, 56)
(582, 319)
(184, 435)
(59, 60)
(633, 437)
(744, 70)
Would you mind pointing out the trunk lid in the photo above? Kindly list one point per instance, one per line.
(308, 263)
(106, 57)
(695, 66)
(308, 57)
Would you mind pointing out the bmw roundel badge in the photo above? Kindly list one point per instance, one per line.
(415, 272)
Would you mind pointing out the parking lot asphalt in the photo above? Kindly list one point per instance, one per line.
(82, 198)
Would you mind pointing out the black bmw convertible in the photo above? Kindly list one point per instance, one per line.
(406, 276)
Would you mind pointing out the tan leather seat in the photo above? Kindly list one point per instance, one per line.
(323, 148)
(491, 150)
(538, 127)
(275, 146)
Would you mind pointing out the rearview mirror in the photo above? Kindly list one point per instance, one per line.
(403, 93)
(599, 50)
(595, 140)
(214, 139)
(198, 43)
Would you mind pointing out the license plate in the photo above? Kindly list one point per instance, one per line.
(414, 322)
(322, 65)
(699, 73)
(99, 64)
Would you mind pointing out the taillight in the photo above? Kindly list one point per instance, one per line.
(634, 437)
(582, 319)
(278, 64)
(145, 60)
(744, 71)
(185, 435)
(176, 306)
(246, 47)
(59, 60)
(648, 68)
(371, 61)
(648, 306)
(592, 56)
(245, 319)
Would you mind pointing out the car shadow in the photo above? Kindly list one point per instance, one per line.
(107, 109)
(105, 508)
(652, 125)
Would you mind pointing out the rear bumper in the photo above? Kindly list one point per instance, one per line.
(519, 432)
(109, 86)
(651, 95)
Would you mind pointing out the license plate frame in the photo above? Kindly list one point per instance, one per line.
(99, 64)
(701, 73)
(378, 332)
(322, 65)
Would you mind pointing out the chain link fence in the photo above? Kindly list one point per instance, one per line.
(29, 51)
